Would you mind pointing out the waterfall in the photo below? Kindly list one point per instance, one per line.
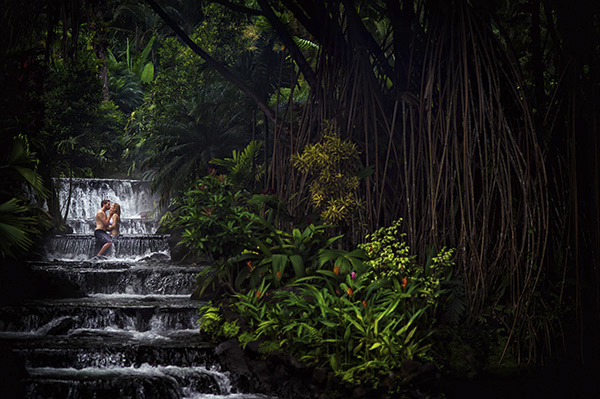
(135, 332)
(134, 196)
(139, 220)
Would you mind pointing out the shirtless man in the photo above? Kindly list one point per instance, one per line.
(103, 239)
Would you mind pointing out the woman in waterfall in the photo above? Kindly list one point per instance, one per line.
(114, 217)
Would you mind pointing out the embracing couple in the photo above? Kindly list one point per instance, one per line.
(106, 224)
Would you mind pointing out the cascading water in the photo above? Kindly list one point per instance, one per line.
(135, 333)
(80, 200)
(134, 196)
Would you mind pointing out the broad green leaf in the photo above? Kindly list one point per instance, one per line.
(327, 273)
(328, 323)
(298, 265)
(242, 275)
(141, 58)
(147, 75)
(279, 263)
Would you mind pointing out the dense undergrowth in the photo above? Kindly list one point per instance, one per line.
(365, 312)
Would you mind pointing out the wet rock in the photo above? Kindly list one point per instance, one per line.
(320, 374)
(232, 357)
(178, 252)
(156, 257)
(62, 327)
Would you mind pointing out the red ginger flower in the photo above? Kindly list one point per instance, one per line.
(249, 263)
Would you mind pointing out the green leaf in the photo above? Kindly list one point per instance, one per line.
(328, 323)
(242, 275)
(298, 265)
(263, 247)
(327, 273)
(410, 335)
(147, 74)
(375, 346)
(279, 263)
(14, 227)
(141, 58)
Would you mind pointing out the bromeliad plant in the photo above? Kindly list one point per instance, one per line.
(281, 258)
(357, 332)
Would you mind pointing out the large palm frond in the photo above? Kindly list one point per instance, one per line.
(20, 166)
(15, 228)
(264, 68)
(243, 168)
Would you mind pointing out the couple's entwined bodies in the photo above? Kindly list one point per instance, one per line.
(104, 224)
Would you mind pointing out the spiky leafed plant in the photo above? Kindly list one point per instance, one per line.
(244, 168)
(21, 183)
(127, 76)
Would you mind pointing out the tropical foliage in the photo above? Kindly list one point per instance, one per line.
(332, 166)
(21, 219)
(476, 124)
(344, 314)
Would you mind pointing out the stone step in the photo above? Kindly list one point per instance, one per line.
(132, 313)
(126, 246)
(142, 382)
(92, 349)
(131, 278)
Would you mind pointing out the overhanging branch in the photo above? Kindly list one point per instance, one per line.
(287, 39)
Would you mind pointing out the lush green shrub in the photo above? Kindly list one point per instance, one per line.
(333, 169)
(214, 326)
(360, 340)
(363, 313)
(281, 258)
(362, 319)
(216, 223)
(214, 219)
